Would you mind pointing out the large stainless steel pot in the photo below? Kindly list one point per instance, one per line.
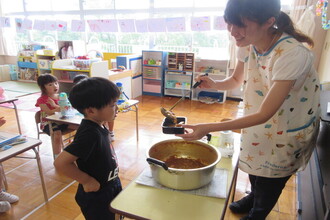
(183, 179)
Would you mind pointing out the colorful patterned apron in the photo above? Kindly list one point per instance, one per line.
(283, 144)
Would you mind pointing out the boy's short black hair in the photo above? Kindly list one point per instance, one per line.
(79, 77)
(95, 92)
(44, 79)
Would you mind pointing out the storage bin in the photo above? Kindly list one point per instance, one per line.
(13, 76)
(219, 96)
(84, 64)
(12, 68)
(170, 83)
(151, 72)
(152, 87)
(27, 65)
(178, 85)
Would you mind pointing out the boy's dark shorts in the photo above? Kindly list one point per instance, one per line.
(96, 205)
(56, 127)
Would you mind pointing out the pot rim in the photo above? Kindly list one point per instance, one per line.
(194, 169)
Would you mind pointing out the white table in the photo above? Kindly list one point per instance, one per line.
(76, 119)
(15, 150)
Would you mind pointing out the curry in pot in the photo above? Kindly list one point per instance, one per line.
(184, 163)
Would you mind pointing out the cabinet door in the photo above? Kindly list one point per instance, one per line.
(153, 72)
(152, 87)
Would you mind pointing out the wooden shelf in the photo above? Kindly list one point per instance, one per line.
(66, 75)
(181, 61)
(180, 69)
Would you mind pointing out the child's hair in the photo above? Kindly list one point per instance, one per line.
(79, 77)
(95, 92)
(44, 79)
(260, 11)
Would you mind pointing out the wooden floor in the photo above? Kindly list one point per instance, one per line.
(23, 178)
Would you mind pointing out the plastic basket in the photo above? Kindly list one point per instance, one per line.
(219, 96)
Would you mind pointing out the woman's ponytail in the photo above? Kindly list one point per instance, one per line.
(285, 24)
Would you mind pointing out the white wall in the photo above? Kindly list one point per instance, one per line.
(324, 67)
(8, 60)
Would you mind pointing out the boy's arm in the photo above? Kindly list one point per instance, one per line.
(65, 164)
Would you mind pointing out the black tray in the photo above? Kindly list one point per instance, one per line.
(168, 129)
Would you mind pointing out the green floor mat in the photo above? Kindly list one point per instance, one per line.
(20, 88)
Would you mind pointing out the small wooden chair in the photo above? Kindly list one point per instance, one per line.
(67, 134)
(37, 118)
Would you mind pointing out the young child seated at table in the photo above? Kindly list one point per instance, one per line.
(110, 124)
(5, 198)
(90, 159)
(48, 103)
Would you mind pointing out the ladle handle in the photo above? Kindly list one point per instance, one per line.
(177, 102)
(184, 96)
(198, 83)
(157, 162)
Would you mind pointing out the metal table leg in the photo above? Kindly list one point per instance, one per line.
(137, 121)
(17, 118)
(41, 175)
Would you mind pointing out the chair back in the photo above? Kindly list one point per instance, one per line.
(37, 118)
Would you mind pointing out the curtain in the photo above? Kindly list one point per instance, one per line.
(298, 8)
(7, 40)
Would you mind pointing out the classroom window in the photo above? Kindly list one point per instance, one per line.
(210, 44)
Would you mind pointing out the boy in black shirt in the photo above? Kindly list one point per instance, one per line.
(90, 158)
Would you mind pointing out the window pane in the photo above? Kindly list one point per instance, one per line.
(38, 5)
(99, 4)
(133, 16)
(210, 3)
(132, 42)
(211, 44)
(12, 6)
(46, 38)
(52, 5)
(132, 4)
(104, 42)
(71, 5)
(173, 3)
